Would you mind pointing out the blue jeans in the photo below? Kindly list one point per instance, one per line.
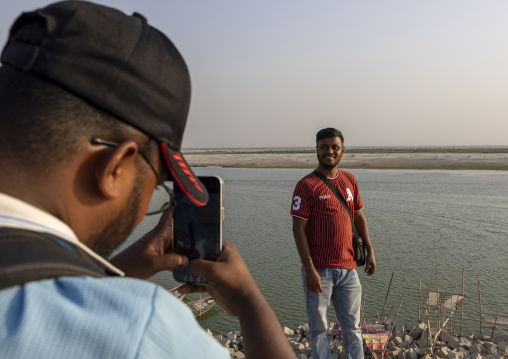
(343, 287)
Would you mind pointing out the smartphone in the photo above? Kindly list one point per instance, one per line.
(197, 231)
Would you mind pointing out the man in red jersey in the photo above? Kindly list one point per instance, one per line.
(323, 236)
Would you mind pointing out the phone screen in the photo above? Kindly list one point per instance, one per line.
(197, 231)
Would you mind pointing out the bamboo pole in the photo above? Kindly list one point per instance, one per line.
(480, 297)
(420, 302)
(494, 327)
(451, 298)
(428, 317)
(386, 298)
(462, 304)
(393, 326)
(437, 278)
(363, 313)
(440, 330)
(443, 301)
(455, 318)
(387, 317)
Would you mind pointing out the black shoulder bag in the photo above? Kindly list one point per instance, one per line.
(27, 256)
(358, 245)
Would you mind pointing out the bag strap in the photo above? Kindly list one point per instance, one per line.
(339, 197)
(27, 256)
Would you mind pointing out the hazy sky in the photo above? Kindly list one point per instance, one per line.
(387, 73)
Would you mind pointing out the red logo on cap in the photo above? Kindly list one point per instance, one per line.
(186, 170)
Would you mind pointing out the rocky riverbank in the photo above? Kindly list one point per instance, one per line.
(408, 341)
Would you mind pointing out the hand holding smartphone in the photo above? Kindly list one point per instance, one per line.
(197, 231)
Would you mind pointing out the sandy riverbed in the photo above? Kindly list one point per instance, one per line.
(471, 161)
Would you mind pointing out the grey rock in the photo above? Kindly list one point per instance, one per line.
(443, 352)
(399, 326)
(307, 351)
(503, 347)
(474, 349)
(453, 343)
(445, 337)
(288, 331)
(422, 343)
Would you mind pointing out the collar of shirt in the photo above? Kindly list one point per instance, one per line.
(15, 213)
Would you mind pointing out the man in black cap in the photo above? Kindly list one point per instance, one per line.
(94, 105)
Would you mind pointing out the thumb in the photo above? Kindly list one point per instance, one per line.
(202, 267)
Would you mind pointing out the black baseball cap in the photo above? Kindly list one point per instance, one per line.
(117, 63)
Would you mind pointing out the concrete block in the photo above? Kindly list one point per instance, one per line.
(407, 338)
(422, 351)
(305, 327)
(453, 343)
(298, 346)
(288, 331)
(443, 352)
(404, 345)
(503, 347)
(399, 326)
(474, 349)
(307, 351)
(231, 336)
(465, 342)
(456, 355)
(478, 336)
(422, 343)
(397, 341)
(302, 356)
(416, 332)
(445, 337)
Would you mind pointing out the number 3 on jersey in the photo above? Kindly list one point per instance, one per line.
(296, 203)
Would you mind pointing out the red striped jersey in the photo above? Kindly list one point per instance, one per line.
(328, 228)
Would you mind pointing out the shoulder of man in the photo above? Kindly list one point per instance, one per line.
(158, 321)
(345, 174)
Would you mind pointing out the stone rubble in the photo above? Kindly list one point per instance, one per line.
(408, 341)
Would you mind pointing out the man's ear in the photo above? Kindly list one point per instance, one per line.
(116, 169)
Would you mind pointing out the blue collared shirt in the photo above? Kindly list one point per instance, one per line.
(84, 317)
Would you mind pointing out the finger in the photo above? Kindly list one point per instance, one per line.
(189, 288)
(171, 261)
(165, 225)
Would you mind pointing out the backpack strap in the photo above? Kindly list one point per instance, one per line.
(27, 256)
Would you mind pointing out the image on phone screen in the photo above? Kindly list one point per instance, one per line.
(197, 231)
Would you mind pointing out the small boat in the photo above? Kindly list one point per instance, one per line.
(176, 293)
(201, 306)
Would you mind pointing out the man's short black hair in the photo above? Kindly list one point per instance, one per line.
(329, 132)
(42, 126)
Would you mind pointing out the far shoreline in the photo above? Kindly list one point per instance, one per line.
(491, 159)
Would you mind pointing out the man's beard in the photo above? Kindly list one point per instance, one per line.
(114, 233)
(328, 165)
